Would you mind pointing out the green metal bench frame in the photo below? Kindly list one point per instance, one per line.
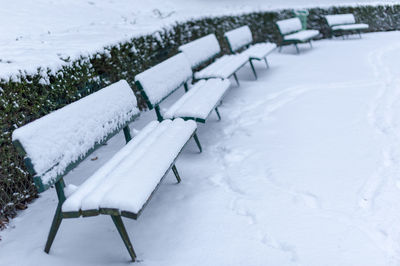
(59, 184)
(289, 42)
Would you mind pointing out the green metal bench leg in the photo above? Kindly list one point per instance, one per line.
(280, 49)
(127, 134)
(252, 68)
(310, 44)
(297, 48)
(54, 228)
(197, 142)
(158, 113)
(124, 235)
(266, 62)
(178, 178)
(219, 116)
(236, 78)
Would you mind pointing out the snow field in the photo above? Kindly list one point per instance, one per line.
(301, 170)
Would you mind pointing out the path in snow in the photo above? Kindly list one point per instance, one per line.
(302, 170)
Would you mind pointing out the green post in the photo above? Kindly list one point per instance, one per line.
(302, 15)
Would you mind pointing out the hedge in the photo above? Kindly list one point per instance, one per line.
(28, 96)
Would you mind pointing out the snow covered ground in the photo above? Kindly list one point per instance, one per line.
(39, 33)
(303, 169)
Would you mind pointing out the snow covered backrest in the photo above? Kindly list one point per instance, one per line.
(239, 38)
(288, 26)
(201, 50)
(341, 19)
(52, 143)
(159, 81)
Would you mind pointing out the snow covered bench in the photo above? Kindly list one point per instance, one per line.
(292, 33)
(345, 24)
(56, 143)
(241, 38)
(160, 81)
(206, 49)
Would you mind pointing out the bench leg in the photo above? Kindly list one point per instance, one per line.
(252, 68)
(219, 116)
(266, 62)
(158, 113)
(197, 142)
(236, 78)
(124, 235)
(297, 48)
(310, 44)
(280, 49)
(178, 178)
(54, 228)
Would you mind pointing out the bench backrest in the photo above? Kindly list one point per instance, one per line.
(239, 38)
(201, 50)
(340, 19)
(55, 143)
(288, 26)
(159, 81)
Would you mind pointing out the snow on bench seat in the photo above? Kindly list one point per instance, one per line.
(302, 36)
(200, 100)
(242, 38)
(223, 67)
(351, 27)
(51, 143)
(259, 50)
(129, 178)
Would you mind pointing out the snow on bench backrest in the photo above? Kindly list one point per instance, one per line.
(239, 38)
(340, 19)
(55, 141)
(201, 50)
(288, 26)
(159, 81)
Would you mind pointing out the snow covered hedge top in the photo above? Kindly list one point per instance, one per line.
(239, 37)
(201, 50)
(340, 19)
(289, 25)
(161, 80)
(64, 136)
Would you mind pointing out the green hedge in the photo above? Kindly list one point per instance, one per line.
(29, 96)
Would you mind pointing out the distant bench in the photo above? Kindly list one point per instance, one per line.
(56, 143)
(345, 24)
(207, 49)
(292, 33)
(160, 81)
(241, 40)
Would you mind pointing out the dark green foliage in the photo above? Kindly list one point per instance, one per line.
(29, 96)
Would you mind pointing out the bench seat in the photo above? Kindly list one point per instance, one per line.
(125, 183)
(259, 51)
(351, 27)
(199, 101)
(301, 36)
(223, 67)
